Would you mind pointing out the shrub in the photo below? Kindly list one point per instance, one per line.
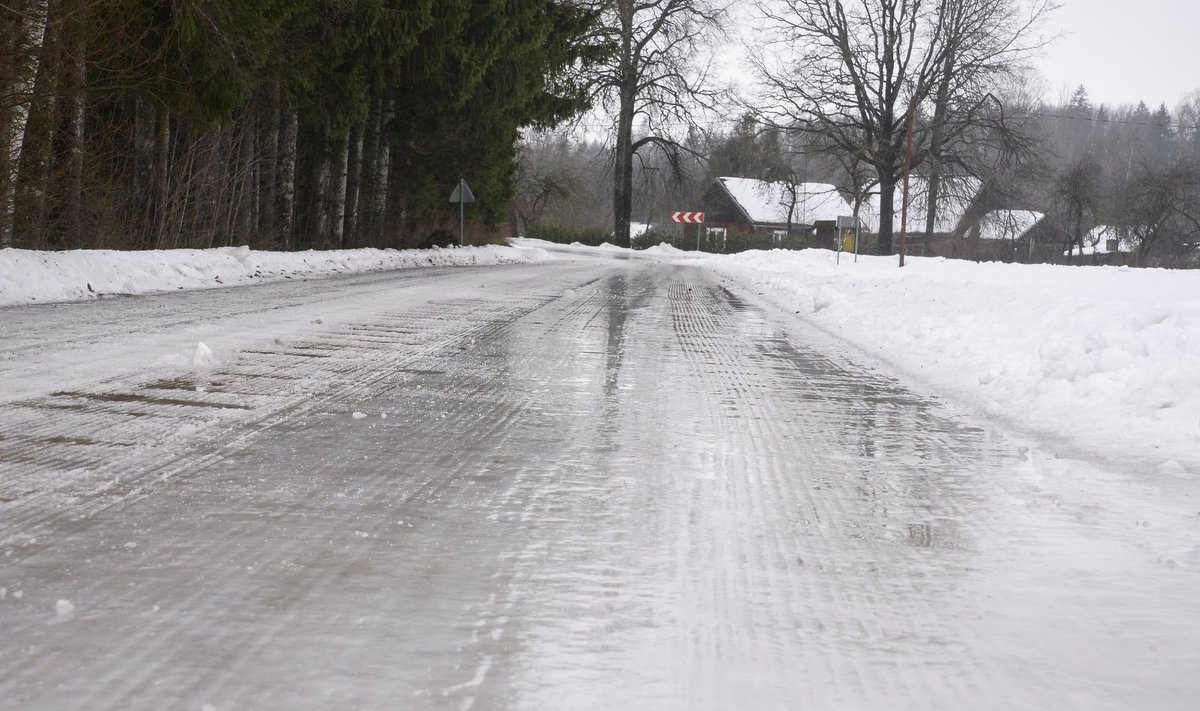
(651, 238)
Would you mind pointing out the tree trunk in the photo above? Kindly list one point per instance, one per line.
(623, 171)
(383, 169)
(623, 157)
(341, 163)
(1076, 234)
(32, 183)
(142, 141)
(19, 69)
(887, 210)
(247, 178)
(287, 177)
(161, 181)
(937, 137)
(353, 186)
(319, 224)
(370, 157)
(68, 142)
(268, 175)
(222, 184)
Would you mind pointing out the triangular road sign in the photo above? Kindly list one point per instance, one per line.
(462, 193)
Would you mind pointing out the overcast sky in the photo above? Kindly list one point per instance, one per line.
(1125, 51)
(1122, 51)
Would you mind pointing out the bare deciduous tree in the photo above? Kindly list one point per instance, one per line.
(1076, 192)
(1164, 205)
(987, 42)
(650, 77)
(853, 71)
(543, 177)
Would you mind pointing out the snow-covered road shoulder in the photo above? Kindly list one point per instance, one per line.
(1104, 357)
(44, 277)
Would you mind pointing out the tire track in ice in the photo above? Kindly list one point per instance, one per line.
(468, 408)
(835, 595)
(69, 450)
(441, 339)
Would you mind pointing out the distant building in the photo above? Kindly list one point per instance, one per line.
(1011, 225)
(778, 209)
(1108, 239)
(956, 196)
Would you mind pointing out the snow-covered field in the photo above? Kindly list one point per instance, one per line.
(1103, 359)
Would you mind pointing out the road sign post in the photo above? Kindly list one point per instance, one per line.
(690, 218)
(461, 195)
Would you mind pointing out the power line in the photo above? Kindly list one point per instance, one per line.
(714, 123)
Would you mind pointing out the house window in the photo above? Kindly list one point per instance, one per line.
(778, 236)
(716, 238)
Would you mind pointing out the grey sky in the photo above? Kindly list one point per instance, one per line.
(1125, 51)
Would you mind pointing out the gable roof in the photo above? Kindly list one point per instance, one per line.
(1008, 224)
(767, 203)
(1096, 241)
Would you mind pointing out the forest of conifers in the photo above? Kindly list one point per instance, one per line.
(281, 124)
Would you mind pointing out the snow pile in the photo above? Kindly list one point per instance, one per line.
(28, 276)
(1103, 356)
(203, 355)
(665, 250)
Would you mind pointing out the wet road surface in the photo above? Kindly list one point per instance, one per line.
(586, 485)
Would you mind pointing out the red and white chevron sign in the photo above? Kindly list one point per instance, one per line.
(692, 218)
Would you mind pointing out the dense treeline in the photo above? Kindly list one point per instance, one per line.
(1130, 167)
(276, 123)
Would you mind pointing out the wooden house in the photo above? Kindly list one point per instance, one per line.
(774, 212)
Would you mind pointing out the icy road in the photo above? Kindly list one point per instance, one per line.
(597, 483)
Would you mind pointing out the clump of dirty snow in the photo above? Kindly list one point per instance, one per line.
(203, 355)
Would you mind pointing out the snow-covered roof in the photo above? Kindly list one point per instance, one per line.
(1096, 241)
(956, 195)
(1008, 224)
(767, 203)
